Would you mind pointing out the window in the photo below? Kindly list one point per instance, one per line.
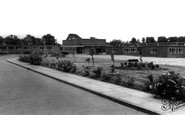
(153, 51)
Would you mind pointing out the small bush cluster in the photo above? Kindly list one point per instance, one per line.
(34, 59)
(169, 85)
(66, 66)
(134, 64)
(24, 58)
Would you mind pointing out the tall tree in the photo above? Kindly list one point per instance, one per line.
(116, 42)
(173, 39)
(133, 40)
(12, 40)
(143, 40)
(150, 40)
(181, 39)
(1, 40)
(31, 40)
(73, 36)
(162, 39)
(49, 39)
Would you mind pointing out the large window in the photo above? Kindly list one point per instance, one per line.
(175, 50)
(153, 51)
(130, 50)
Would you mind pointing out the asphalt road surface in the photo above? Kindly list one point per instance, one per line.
(23, 92)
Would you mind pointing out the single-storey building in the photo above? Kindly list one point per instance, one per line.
(18, 49)
(167, 49)
(84, 46)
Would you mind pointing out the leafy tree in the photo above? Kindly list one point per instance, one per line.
(39, 41)
(73, 36)
(133, 40)
(138, 41)
(162, 39)
(12, 40)
(1, 40)
(116, 42)
(181, 39)
(49, 39)
(150, 40)
(30, 40)
(173, 39)
(143, 40)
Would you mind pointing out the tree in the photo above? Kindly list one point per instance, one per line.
(162, 39)
(143, 40)
(1, 40)
(116, 42)
(39, 41)
(30, 40)
(150, 40)
(49, 39)
(133, 40)
(12, 40)
(73, 36)
(181, 39)
(173, 39)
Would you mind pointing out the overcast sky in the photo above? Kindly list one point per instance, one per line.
(105, 19)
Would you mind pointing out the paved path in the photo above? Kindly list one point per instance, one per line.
(24, 92)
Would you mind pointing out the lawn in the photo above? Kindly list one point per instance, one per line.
(139, 75)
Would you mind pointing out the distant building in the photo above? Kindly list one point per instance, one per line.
(84, 46)
(166, 49)
(18, 49)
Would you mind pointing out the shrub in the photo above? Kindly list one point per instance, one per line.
(105, 77)
(65, 53)
(115, 78)
(157, 66)
(35, 59)
(130, 81)
(151, 65)
(170, 86)
(26, 52)
(65, 66)
(149, 83)
(86, 70)
(24, 58)
(98, 72)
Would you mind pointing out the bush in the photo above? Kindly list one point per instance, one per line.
(115, 78)
(130, 81)
(26, 52)
(35, 59)
(65, 66)
(98, 72)
(105, 77)
(65, 53)
(170, 86)
(86, 70)
(24, 58)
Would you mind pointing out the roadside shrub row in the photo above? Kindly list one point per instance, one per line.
(169, 85)
(34, 59)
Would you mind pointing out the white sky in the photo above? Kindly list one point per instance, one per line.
(105, 19)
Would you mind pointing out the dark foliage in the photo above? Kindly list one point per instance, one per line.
(170, 86)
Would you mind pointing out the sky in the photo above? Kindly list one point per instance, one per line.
(103, 19)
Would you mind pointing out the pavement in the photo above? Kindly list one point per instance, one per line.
(138, 100)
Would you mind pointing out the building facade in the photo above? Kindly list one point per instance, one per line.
(85, 46)
(173, 49)
(18, 49)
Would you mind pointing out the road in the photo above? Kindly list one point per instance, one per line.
(23, 92)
